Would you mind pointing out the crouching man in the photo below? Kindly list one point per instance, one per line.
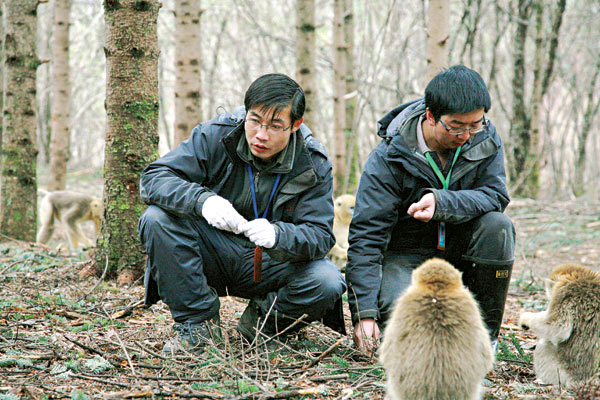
(248, 188)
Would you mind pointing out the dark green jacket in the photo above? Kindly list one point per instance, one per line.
(207, 163)
(396, 175)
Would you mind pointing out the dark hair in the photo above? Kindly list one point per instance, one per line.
(456, 90)
(276, 92)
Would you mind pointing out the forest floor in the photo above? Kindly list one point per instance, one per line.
(67, 334)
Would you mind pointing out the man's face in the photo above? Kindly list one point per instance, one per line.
(268, 134)
(455, 122)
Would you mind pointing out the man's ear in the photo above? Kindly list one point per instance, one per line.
(297, 124)
(429, 117)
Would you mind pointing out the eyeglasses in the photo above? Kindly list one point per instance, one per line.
(255, 125)
(459, 131)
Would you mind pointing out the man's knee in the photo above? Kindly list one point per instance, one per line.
(152, 218)
(493, 238)
(327, 280)
(496, 224)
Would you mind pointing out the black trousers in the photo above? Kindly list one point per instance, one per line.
(486, 240)
(190, 264)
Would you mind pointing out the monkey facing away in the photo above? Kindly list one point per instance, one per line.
(70, 208)
(435, 345)
(567, 350)
(343, 207)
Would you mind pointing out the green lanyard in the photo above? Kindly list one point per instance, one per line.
(445, 181)
(441, 245)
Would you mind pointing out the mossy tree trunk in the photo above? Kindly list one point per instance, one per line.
(188, 95)
(60, 144)
(306, 55)
(520, 123)
(18, 204)
(132, 133)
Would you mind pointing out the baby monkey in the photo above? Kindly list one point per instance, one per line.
(343, 208)
(567, 350)
(70, 208)
(435, 345)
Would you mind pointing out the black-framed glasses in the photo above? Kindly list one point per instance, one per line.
(473, 131)
(255, 125)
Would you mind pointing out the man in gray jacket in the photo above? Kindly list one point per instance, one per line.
(243, 208)
(434, 187)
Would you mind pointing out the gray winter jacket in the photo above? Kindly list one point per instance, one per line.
(396, 175)
(207, 163)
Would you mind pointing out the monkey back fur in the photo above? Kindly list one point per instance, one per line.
(435, 345)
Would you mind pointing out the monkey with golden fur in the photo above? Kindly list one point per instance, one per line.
(435, 345)
(70, 208)
(568, 331)
(343, 207)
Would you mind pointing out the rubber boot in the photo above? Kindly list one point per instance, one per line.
(489, 285)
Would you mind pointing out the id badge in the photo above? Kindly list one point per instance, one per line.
(441, 236)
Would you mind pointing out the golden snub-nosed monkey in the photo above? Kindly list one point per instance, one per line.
(568, 345)
(435, 345)
(70, 208)
(343, 207)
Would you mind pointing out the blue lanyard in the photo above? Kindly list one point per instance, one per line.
(254, 193)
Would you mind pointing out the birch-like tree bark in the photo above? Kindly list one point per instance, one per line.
(188, 95)
(18, 183)
(61, 88)
(305, 56)
(339, 92)
(352, 170)
(132, 129)
(437, 36)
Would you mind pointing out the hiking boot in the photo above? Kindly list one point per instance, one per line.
(193, 337)
(251, 321)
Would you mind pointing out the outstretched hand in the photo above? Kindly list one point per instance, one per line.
(366, 335)
(423, 209)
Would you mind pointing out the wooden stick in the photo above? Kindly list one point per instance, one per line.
(258, 264)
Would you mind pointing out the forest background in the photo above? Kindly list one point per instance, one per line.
(92, 91)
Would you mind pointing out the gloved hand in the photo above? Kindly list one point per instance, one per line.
(260, 231)
(219, 212)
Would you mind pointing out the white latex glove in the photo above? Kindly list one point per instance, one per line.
(219, 212)
(424, 209)
(260, 231)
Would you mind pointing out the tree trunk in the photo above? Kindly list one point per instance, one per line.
(591, 110)
(531, 181)
(520, 122)
(305, 55)
(339, 91)
(61, 89)
(1, 68)
(350, 181)
(132, 133)
(188, 97)
(18, 204)
(437, 37)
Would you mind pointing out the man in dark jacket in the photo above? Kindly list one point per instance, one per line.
(434, 186)
(242, 183)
